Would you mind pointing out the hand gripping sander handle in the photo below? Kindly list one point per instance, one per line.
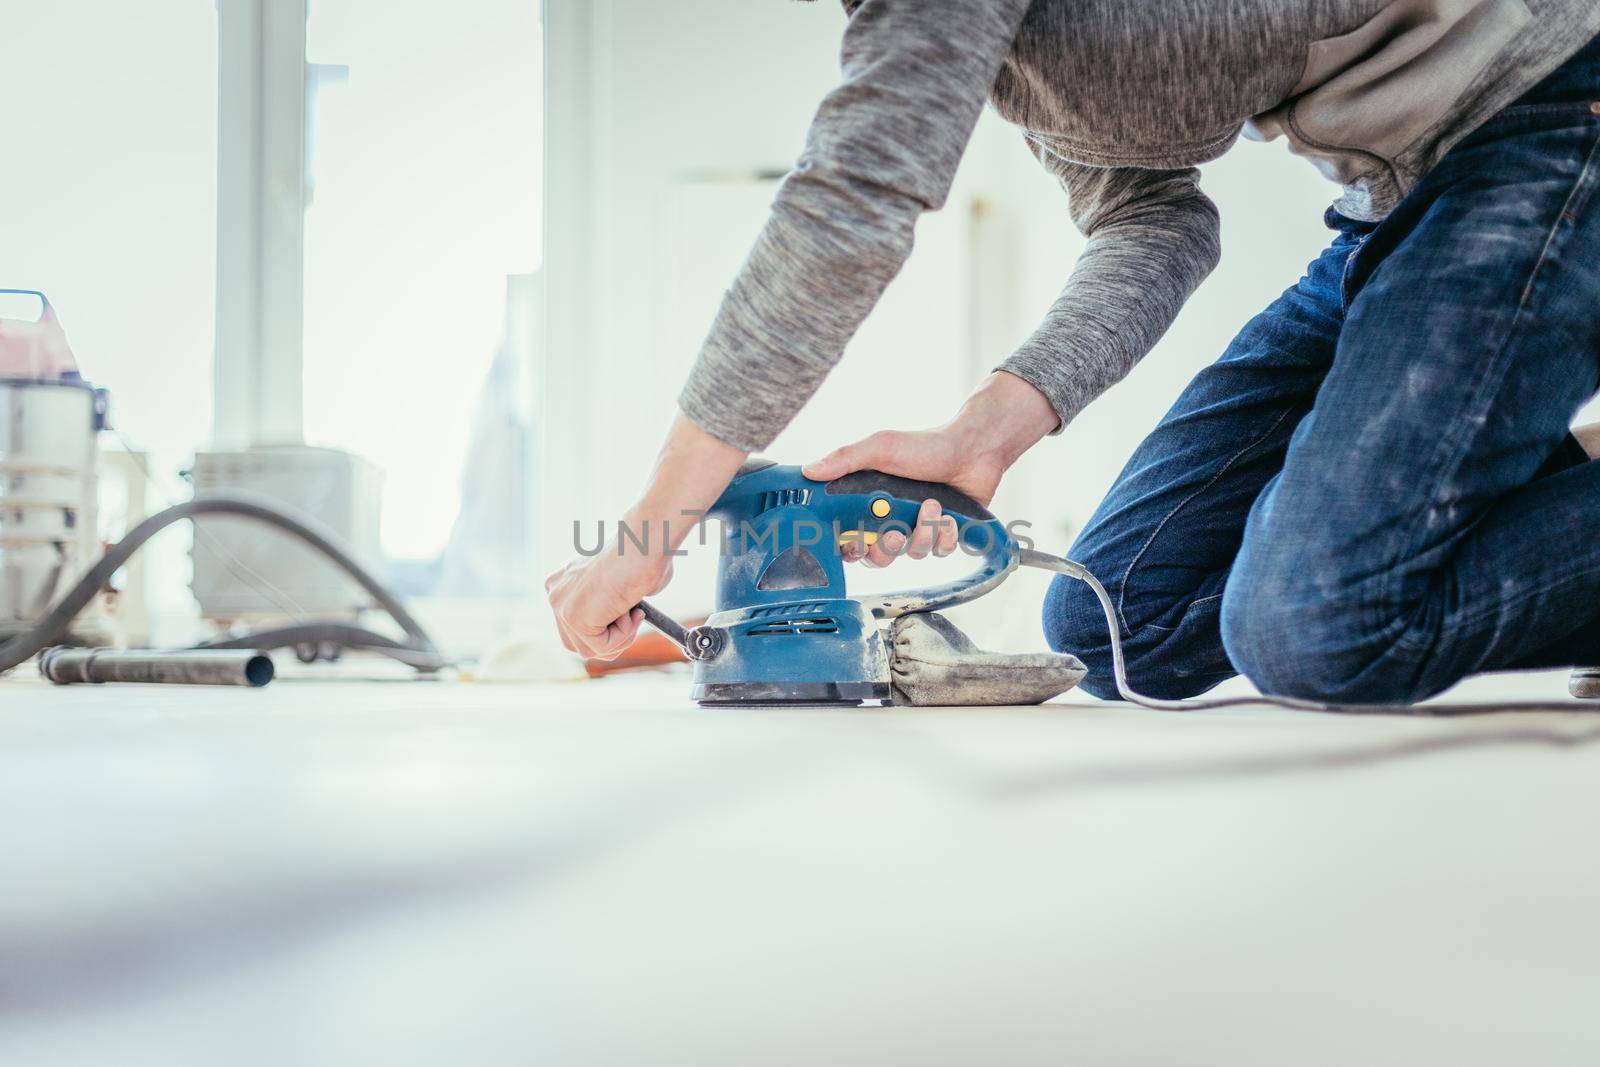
(876, 503)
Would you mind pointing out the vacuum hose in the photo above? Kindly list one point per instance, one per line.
(418, 650)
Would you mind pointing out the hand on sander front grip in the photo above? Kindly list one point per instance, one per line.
(941, 456)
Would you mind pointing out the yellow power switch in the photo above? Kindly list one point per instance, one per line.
(880, 508)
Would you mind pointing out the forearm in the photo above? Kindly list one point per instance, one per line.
(1003, 418)
(825, 256)
(690, 472)
(882, 149)
(1124, 293)
(1153, 238)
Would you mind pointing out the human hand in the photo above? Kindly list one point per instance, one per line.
(1003, 419)
(594, 598)
(939, 455)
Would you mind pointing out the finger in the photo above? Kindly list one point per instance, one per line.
(850, 549)
(869, 452)
(611, 642)
(886, 549)
(834, 465)
(576, 636)
(949, 538)
(922, 536)
(572, 635)
(625, 630)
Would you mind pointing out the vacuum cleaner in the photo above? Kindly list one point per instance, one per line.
(53, 568)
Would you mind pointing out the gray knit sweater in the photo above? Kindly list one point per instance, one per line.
(1119, 99)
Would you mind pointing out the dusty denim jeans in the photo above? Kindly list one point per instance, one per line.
(1373, 493)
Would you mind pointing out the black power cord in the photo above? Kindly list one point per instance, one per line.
(417, 650)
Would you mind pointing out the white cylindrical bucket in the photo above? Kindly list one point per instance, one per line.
(48, 532)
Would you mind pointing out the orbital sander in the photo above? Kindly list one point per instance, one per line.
(786, 631)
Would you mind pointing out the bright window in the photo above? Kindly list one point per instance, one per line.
(426, 196)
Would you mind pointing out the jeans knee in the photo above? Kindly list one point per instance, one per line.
(1075, 622)
(1298, 643)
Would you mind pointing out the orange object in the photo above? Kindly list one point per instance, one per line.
(650, 650)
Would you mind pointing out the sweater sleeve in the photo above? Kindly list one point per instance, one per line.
(882, 149)
(1153, 238)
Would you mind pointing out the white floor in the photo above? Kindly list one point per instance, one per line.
(600, 873)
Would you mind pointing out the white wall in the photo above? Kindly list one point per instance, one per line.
(682, 105)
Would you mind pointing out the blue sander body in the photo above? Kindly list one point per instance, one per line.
(786, 631)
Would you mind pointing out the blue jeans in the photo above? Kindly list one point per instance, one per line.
(1373, 493)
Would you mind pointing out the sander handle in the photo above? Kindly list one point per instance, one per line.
(702, 642)
(668, 626)
(897, 501)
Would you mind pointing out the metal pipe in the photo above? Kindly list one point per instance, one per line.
(71, 666)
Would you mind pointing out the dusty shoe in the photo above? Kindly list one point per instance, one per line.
(1584, 683)
(932, 663)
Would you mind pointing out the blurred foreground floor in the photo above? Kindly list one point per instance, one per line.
(600, 873)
